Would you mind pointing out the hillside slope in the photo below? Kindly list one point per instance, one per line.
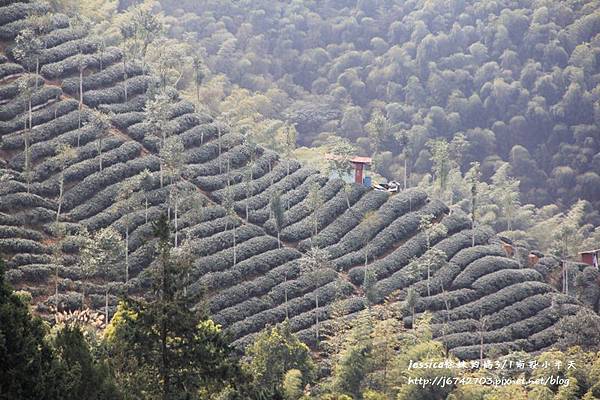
(244, 273)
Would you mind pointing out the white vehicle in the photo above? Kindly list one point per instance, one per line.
(390, 187)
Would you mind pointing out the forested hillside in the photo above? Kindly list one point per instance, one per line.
(518, 80)
(98, 144)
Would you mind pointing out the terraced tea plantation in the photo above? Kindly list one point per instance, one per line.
(93, 142)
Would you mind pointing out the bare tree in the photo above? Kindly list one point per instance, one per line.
(314, 263)
(64, 155)
(341, 152)
(277, 210)
(315, 202)
(26, 91)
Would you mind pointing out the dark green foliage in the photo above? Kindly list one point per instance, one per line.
(275, 351)
(27, 362)
(161, 346)
(32, 369)
(84, 377)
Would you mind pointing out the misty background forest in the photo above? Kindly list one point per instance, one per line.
(184, 212)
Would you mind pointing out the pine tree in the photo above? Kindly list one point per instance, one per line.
(159, 347)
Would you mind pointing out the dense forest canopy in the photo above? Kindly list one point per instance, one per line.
(168, 207)
(519, 79)
(510, 85)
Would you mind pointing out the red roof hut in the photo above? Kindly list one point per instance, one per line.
(590, 257)
(359, 164)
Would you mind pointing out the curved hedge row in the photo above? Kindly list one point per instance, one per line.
(18, 201)
(453, 246)
(521, 309)
(481, 267)
(258, 264)
(399, 230)
(38, 117)
(276, 296)
(14, 246)
(255, 287)
(277, 174)
(286, 183)
(17, 232)
(496, 301)
(207, 155)
(57, 53)
(10, 69)
(10, 30)
(299, 305)
(224, 240)
(90, 185)
(325, 215)
(301, 209)
(109, 76)
(114, 151)
(259, 169)
(20, 105)
(17, 11)
(70, 65)
(290, 199)
(116, 94)
(223, 259)
(503, 278)
(394, 207)
(65, 124)
(133, 103)
(60, 36)
(27, 258)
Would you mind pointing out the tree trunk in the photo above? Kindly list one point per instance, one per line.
(127, 252)
(285, 293)
(56, 286)
(481, 347)
(234, 253)
(347, 190)
(176, 227)
(146, 207)
(124, 78)
(80, 102)
(220, 149)
(106, 307)
(473, 219)
(278, 239)
(405, 172)
(100, 154)
(27, 163)
(317, 316)
(247, 220)
(27, 150)
(60, 193)
(37, 71)
(428, 279)
(161, 175)
(164, 357)
(164, 298)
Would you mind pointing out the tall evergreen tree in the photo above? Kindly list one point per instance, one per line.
(175, 352)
